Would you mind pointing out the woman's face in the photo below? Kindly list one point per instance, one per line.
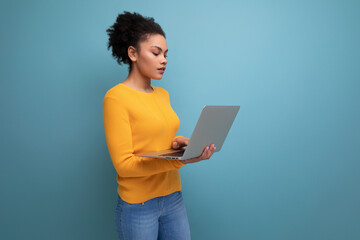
(151, 59)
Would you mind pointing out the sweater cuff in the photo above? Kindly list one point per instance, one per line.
(178, 163)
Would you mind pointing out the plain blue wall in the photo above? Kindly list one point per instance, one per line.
(289, 168)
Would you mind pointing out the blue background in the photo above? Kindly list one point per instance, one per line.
(289, 168)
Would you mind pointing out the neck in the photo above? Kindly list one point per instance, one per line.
(138, 81)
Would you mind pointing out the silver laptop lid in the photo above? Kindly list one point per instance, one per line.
(212, 127)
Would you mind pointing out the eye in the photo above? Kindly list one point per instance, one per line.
(157, 54)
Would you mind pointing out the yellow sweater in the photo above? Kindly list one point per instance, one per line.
(137, 122)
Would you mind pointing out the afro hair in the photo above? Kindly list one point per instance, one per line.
(129, 30)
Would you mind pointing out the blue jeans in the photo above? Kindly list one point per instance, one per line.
(158, 218)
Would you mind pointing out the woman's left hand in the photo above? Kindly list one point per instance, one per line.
(180, 142)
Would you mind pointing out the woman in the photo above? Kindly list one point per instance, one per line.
(138, 118)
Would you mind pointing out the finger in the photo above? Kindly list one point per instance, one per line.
(183, 143)
(210, 151)
(213, 149)
(210, 154)
(206, 152)
(175, 145)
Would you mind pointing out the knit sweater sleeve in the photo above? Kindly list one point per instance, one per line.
(119, 141)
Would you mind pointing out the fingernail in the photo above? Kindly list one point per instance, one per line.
(207, 148)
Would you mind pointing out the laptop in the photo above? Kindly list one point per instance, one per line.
(212, 127)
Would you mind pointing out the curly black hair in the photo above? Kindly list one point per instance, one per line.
(129, 30)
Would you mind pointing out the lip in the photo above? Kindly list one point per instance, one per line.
(162, 70)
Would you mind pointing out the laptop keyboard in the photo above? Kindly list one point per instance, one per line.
(175, 154)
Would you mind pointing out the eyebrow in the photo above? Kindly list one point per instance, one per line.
(160, 48)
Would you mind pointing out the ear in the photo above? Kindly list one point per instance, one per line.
(132, 53)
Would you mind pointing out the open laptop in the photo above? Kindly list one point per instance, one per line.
(212, 127)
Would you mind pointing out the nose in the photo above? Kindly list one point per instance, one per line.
(164, 61)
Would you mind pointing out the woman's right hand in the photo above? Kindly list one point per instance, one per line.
(206, 154)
